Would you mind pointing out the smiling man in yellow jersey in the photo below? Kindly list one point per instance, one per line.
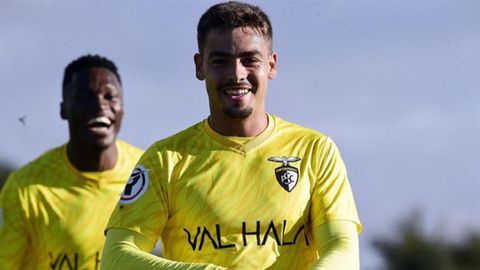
(242, 189)
(56, 207)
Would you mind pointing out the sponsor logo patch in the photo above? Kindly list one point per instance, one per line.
(137, 185)
(287, 176)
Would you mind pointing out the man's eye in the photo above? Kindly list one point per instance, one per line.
(219, 61)
(250, 61)
(111, 97)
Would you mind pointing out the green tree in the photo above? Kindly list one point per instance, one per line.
(467, 255)
(413, 249)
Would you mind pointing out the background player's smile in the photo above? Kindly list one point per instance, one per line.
(100, 125)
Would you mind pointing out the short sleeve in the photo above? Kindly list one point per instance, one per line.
(332, 197)
(143, 204)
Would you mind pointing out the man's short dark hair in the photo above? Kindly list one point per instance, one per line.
(233, 14)
(85, 62)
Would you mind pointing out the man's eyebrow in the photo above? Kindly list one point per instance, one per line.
(225, 54)
(111, 86)
(249, 53)
(218, 54)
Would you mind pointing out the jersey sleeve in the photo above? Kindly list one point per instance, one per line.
(143, 206)
(337, 245)
(14, 236)
(332, 197)
(125, 250)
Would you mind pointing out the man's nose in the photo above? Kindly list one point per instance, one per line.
(237, 72)
(99, 103)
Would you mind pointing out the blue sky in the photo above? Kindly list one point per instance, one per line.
(395, 83)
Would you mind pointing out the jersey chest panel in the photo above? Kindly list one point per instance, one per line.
(68, 223)
(229, 200)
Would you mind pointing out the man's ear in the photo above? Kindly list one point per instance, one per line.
(199, 72)
(272, 62)
(62, 111)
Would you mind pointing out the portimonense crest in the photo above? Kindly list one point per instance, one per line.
(287, 176)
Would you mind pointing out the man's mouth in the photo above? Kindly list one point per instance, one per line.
(99, 124)
(235, 93)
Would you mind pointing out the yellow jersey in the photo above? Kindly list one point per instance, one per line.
(240, 205)
(53, 216)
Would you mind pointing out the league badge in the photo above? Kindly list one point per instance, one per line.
(287, 176)
(137, 185)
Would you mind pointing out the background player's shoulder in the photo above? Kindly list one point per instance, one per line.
(48, 161)
(130, 149)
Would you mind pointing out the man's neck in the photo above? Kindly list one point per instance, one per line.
(92, 160)
(250, 126)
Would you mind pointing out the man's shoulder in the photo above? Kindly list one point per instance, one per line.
(286, 127)
(129, 149)
(48, 162)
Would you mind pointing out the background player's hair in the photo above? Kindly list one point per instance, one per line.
(84, 62)
(231, 15)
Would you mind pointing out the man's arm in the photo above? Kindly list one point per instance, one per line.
(126, 250)
(14, 241)
(337, 245)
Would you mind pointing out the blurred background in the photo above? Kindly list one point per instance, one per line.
(395, 83)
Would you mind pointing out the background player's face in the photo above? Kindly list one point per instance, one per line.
(93, 107)
(236, 65)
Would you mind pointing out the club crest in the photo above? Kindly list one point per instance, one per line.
(287, 176)
(137, 185)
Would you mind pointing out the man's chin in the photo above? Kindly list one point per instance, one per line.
(100, 143)
(235, 113)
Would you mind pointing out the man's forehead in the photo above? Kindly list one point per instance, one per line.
(93, 75)
(235, 41)
(88, 81)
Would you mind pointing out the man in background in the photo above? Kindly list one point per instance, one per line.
(242, 189)
(55, 208)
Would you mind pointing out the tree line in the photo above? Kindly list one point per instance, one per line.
(411, 248)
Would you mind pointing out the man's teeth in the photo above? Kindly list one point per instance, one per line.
(236, 92)
(100, 120)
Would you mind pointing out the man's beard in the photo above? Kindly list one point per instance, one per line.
(237, 113)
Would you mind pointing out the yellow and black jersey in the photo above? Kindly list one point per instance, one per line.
(53, 216)
(241, 205)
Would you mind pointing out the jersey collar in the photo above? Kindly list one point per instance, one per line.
(100, 175)
(239, 147)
